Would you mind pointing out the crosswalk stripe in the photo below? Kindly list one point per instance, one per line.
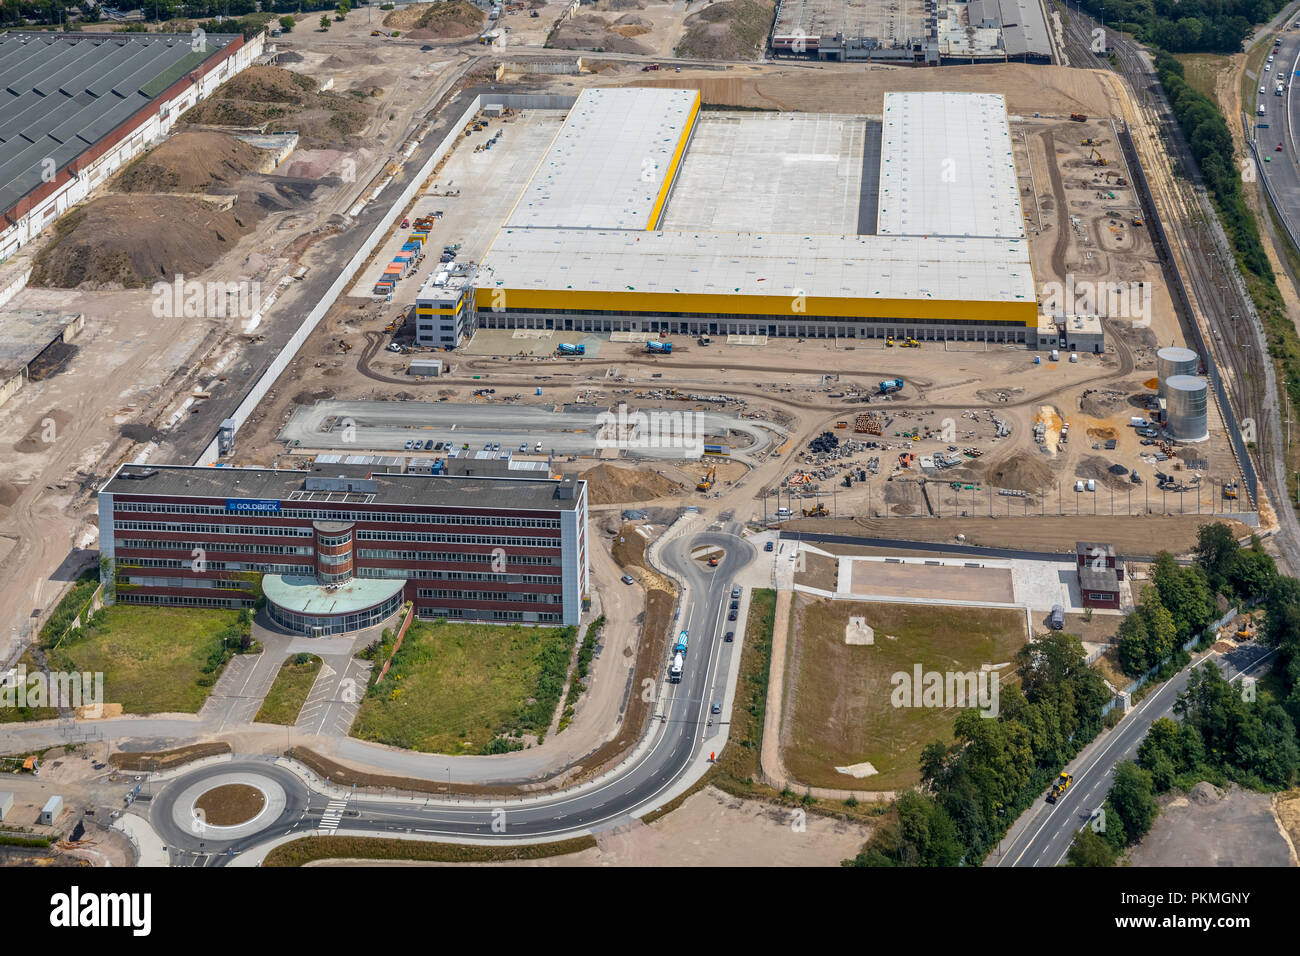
(333, 814)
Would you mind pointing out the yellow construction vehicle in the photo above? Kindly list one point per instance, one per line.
(1230, 489)
(1089, 142)
(706, 482)
(1098, 159)
(1245, 631)
(911, 344)
(1135, 221)
(1060, 786)
(889, 342)
(816, 511)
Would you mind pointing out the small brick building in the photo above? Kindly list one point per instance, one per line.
(1099, 571)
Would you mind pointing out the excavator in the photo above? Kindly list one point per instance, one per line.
(706, 482)
(1098, 159)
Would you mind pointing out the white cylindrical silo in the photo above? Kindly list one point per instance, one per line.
(1187, 399)
(1174, 360)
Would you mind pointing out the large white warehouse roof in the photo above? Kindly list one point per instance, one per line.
(612, 161)
(947, 167)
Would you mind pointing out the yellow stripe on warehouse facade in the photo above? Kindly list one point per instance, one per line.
(811, 307)
(662, 198)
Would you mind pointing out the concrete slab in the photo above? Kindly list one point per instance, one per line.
(927, 580)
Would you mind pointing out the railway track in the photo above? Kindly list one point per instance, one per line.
(1200, 254)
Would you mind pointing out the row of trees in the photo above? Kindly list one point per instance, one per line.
(1187, 26)
(1211, 145)
(973, 789)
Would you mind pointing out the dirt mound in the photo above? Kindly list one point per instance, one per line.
(132, 241)
(608, 485)
(1205, 792)
(278, 101)
(731, 30)
(629, 25)
(589, 32)
(451, 18)
(1098, 468)
(1021, 472)
(198, 161)
(1101, 402)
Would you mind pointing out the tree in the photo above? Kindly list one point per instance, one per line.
(287, 23)
(1133, 799)
(342, 10)
(1185, 592)
(922, 835)
(1252, 573)
(324, 21)
(1090, 849)
(1216, 551)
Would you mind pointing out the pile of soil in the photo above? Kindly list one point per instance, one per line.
(445, 20)
(731, 30)
(1021, 472)
(630, 25)
(1098, 468)
(198, 161)
(585, 31)
(279, 101)
(126, 242)
(1101, 402)
(609, 485)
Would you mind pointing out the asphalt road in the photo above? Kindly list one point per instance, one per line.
(1277, 127)
(676, 744)
(1043, 834)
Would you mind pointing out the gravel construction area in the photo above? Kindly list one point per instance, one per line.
(1246, 832)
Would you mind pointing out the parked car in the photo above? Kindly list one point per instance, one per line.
(523, 446)
(409, 443)
(731, 615)
(767, 546)
(428, 445)
(1057, 619)
(537, 448)
(716, 708)
(627, 579)
(731, 635)
(735, 605)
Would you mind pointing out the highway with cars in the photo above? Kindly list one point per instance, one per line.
(1274, 131)
(673, 753)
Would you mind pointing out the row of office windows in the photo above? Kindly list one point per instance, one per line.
(154, 544)
(182, 600)
(466, 557)
(473, 614)
(505, 596)
(214, 528)
(199, 566)
(396, 517)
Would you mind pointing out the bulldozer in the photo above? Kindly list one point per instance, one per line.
(1135, 221)
(816, 511)
(706, 481)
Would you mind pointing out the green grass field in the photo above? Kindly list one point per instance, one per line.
(290, 690)
(16, 714)
(842, 711)
(1203, 71)
(453, 688)
(152, 657)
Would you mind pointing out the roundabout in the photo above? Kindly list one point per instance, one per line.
(213, 808)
